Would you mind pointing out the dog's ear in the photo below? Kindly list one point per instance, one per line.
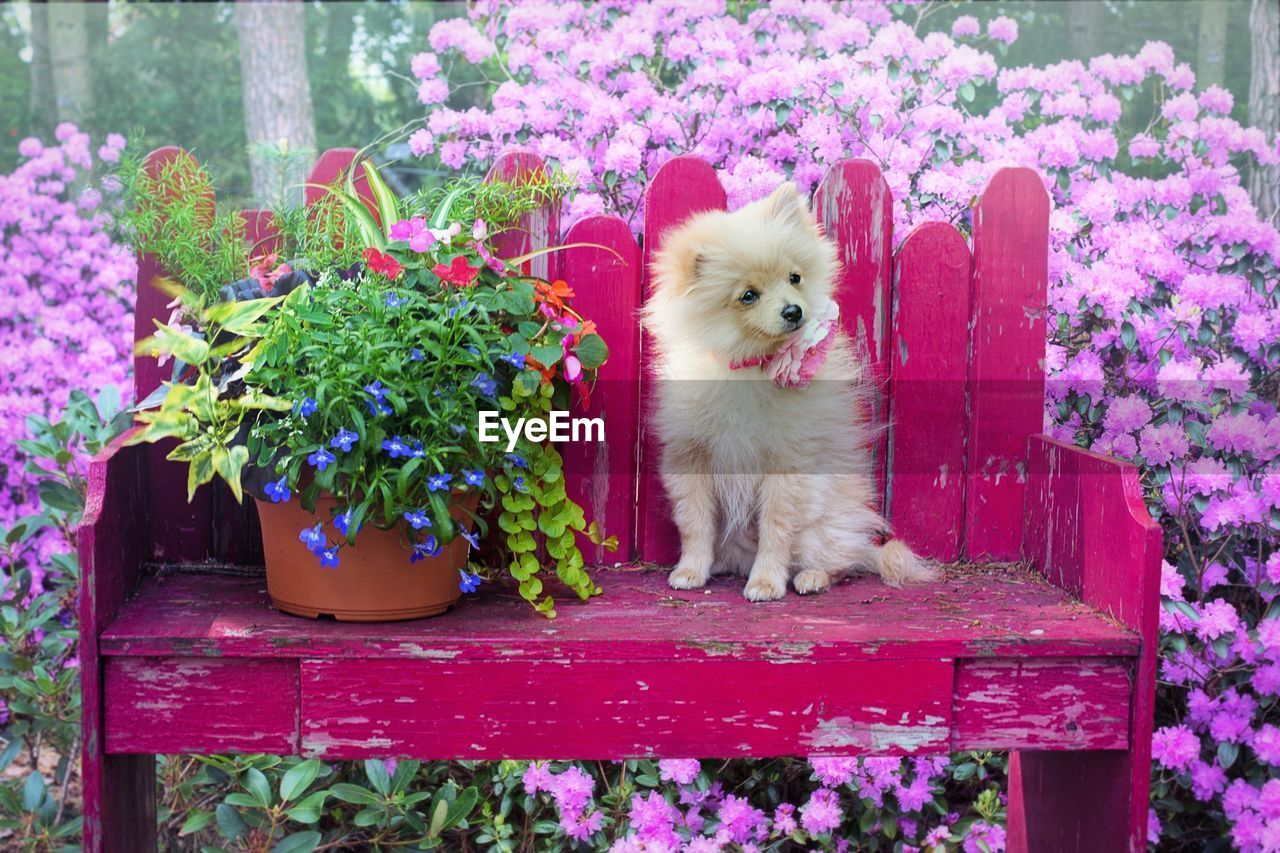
(786, 205)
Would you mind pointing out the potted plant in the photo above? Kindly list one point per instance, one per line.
(343, 391)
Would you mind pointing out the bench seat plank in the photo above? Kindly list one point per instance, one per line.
(987, 611)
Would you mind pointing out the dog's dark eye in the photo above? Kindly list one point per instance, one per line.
(795, 278)
(748, 297)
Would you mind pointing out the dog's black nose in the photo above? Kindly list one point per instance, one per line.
(792, 314)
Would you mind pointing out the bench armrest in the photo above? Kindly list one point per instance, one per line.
(113, 537)
(1088, 531)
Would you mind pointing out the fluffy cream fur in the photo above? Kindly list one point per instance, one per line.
(775, 483)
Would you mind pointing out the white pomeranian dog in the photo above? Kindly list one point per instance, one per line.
(762, 406)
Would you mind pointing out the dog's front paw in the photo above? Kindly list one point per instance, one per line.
(685, 577)
(811, 581)
(765, 589)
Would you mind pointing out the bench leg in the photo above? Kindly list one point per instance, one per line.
(1070, 801)
(119, 803)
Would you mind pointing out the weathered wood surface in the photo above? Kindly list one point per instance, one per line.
(180, 705)
(654, 673)
(118, 790)
(536, 229)
(855, 207)
(988, 612)
(601, 476)
(682, 187)
(928, 391)
(1028, 704)
(1006, 365)
(719, 707)
(1084, 515)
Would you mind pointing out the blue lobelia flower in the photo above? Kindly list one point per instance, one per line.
(515, 460)
(416, 355)
(485, 385)
(378, 405)
(416, 449)
(312, 537)
(518, 485)
(344, 440)
(422, 550)
(418, 519)
(306, 406)
(395, 300)
(469, 582)
(396, 447)
(321, 459)
(279, 490)
(471, 536)
(458, 428)
(328, 557)
(473, 478)
(438, 482)
(516, 360)
(342, 521)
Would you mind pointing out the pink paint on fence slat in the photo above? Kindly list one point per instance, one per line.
(183, 529)
(1006, 370)
(537, 229)
(855, 207)
(181, 704)
(608, 710)
(683, 186)
(601, 476)
(113, 547)
(331, 170)
(1088, 529)
(929, 351)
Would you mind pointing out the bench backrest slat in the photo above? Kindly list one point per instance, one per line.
(954, 340)
(928, 390)
(855, 207)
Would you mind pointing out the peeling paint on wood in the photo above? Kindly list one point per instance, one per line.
(976, 611)
(1006, 373)
(188, 705)
(928, 397)
(683, 186)
(719, 707)
(1081, 703)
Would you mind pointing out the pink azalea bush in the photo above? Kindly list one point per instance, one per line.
(1164, 289)
(68, 292)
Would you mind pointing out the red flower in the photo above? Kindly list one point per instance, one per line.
(459, 273)
(380, 262)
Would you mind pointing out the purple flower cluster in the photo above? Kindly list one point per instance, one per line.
(68, 292)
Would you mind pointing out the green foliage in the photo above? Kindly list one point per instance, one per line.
(500, 203)
(170, 212)
(39, 677)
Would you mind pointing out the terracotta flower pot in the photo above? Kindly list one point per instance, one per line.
(373, 583)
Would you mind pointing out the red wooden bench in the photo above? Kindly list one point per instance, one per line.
(1041, 640)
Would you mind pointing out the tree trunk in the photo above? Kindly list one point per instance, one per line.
(1212, 43)
(69, 60)
(1084, 28)
(40, 73)
(278, 120)
(1264, 100)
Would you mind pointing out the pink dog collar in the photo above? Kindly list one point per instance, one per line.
(796, 362)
